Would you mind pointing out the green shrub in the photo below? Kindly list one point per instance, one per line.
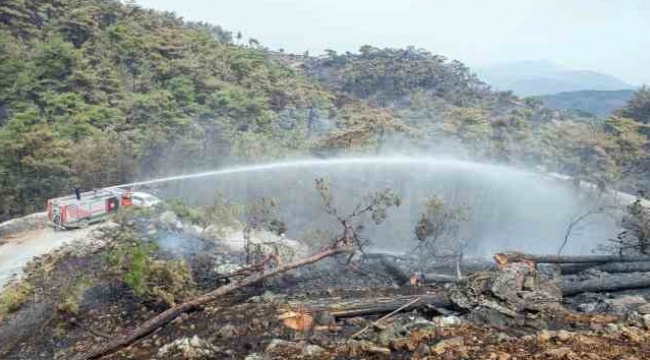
(169, 281)
(135, 264)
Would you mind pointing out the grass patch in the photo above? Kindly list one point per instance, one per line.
(72, 296)
(13, 297)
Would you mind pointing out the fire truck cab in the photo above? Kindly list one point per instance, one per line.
(92, 206)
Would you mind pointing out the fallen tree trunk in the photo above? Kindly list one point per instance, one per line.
(373, 306)
(166, 316)
(465, 267)
(605, 284)
(612, 268)
(390, 262)
(399, 275)
(380, 255)
(440, 278)
(509, 257)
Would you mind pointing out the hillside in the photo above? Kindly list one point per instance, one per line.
(379, 204)
(532, 78)
(597, 103)
(97, 93)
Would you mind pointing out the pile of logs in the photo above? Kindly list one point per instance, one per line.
(613, 275)
(615, 269)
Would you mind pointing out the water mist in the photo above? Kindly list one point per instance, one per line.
(507, 208)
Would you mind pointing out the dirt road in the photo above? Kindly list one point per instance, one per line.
(22, 247)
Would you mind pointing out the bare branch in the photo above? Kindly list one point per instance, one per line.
(577, 221)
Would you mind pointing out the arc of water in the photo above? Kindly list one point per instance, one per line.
(428, 162)
(395, 160)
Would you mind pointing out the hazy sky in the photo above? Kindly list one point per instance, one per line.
(611, 36)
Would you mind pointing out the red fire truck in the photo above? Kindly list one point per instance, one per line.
(91, 207)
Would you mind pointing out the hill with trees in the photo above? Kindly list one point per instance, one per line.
(452, 111)
(591, 102)
(100, 92)
(536, 78)
(638, 107)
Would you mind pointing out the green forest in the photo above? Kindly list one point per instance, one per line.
(98, 92)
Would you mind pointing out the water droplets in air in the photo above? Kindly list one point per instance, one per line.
(507, 208)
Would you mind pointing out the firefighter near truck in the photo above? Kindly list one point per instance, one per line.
(85, 208)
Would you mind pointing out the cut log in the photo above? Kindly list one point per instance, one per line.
(606, 284)
(168, 315)
(612, 268)
(509, 257)
(373, 306)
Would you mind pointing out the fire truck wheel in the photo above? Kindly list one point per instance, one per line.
(84, 223)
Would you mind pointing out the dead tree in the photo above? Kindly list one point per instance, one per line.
(437, 232)
(575, 222)
(260, 214)
(375, 204)
(165, 317)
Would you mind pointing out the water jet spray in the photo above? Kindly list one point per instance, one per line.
(510, 208)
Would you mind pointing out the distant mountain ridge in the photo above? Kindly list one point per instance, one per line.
(534, 78)
(594, 102)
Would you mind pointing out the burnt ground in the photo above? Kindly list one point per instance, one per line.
(245, 325)
(239, 330)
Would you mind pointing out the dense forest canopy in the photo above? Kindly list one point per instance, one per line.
(97, 92)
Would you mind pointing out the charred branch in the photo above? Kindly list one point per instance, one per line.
(165, 317)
